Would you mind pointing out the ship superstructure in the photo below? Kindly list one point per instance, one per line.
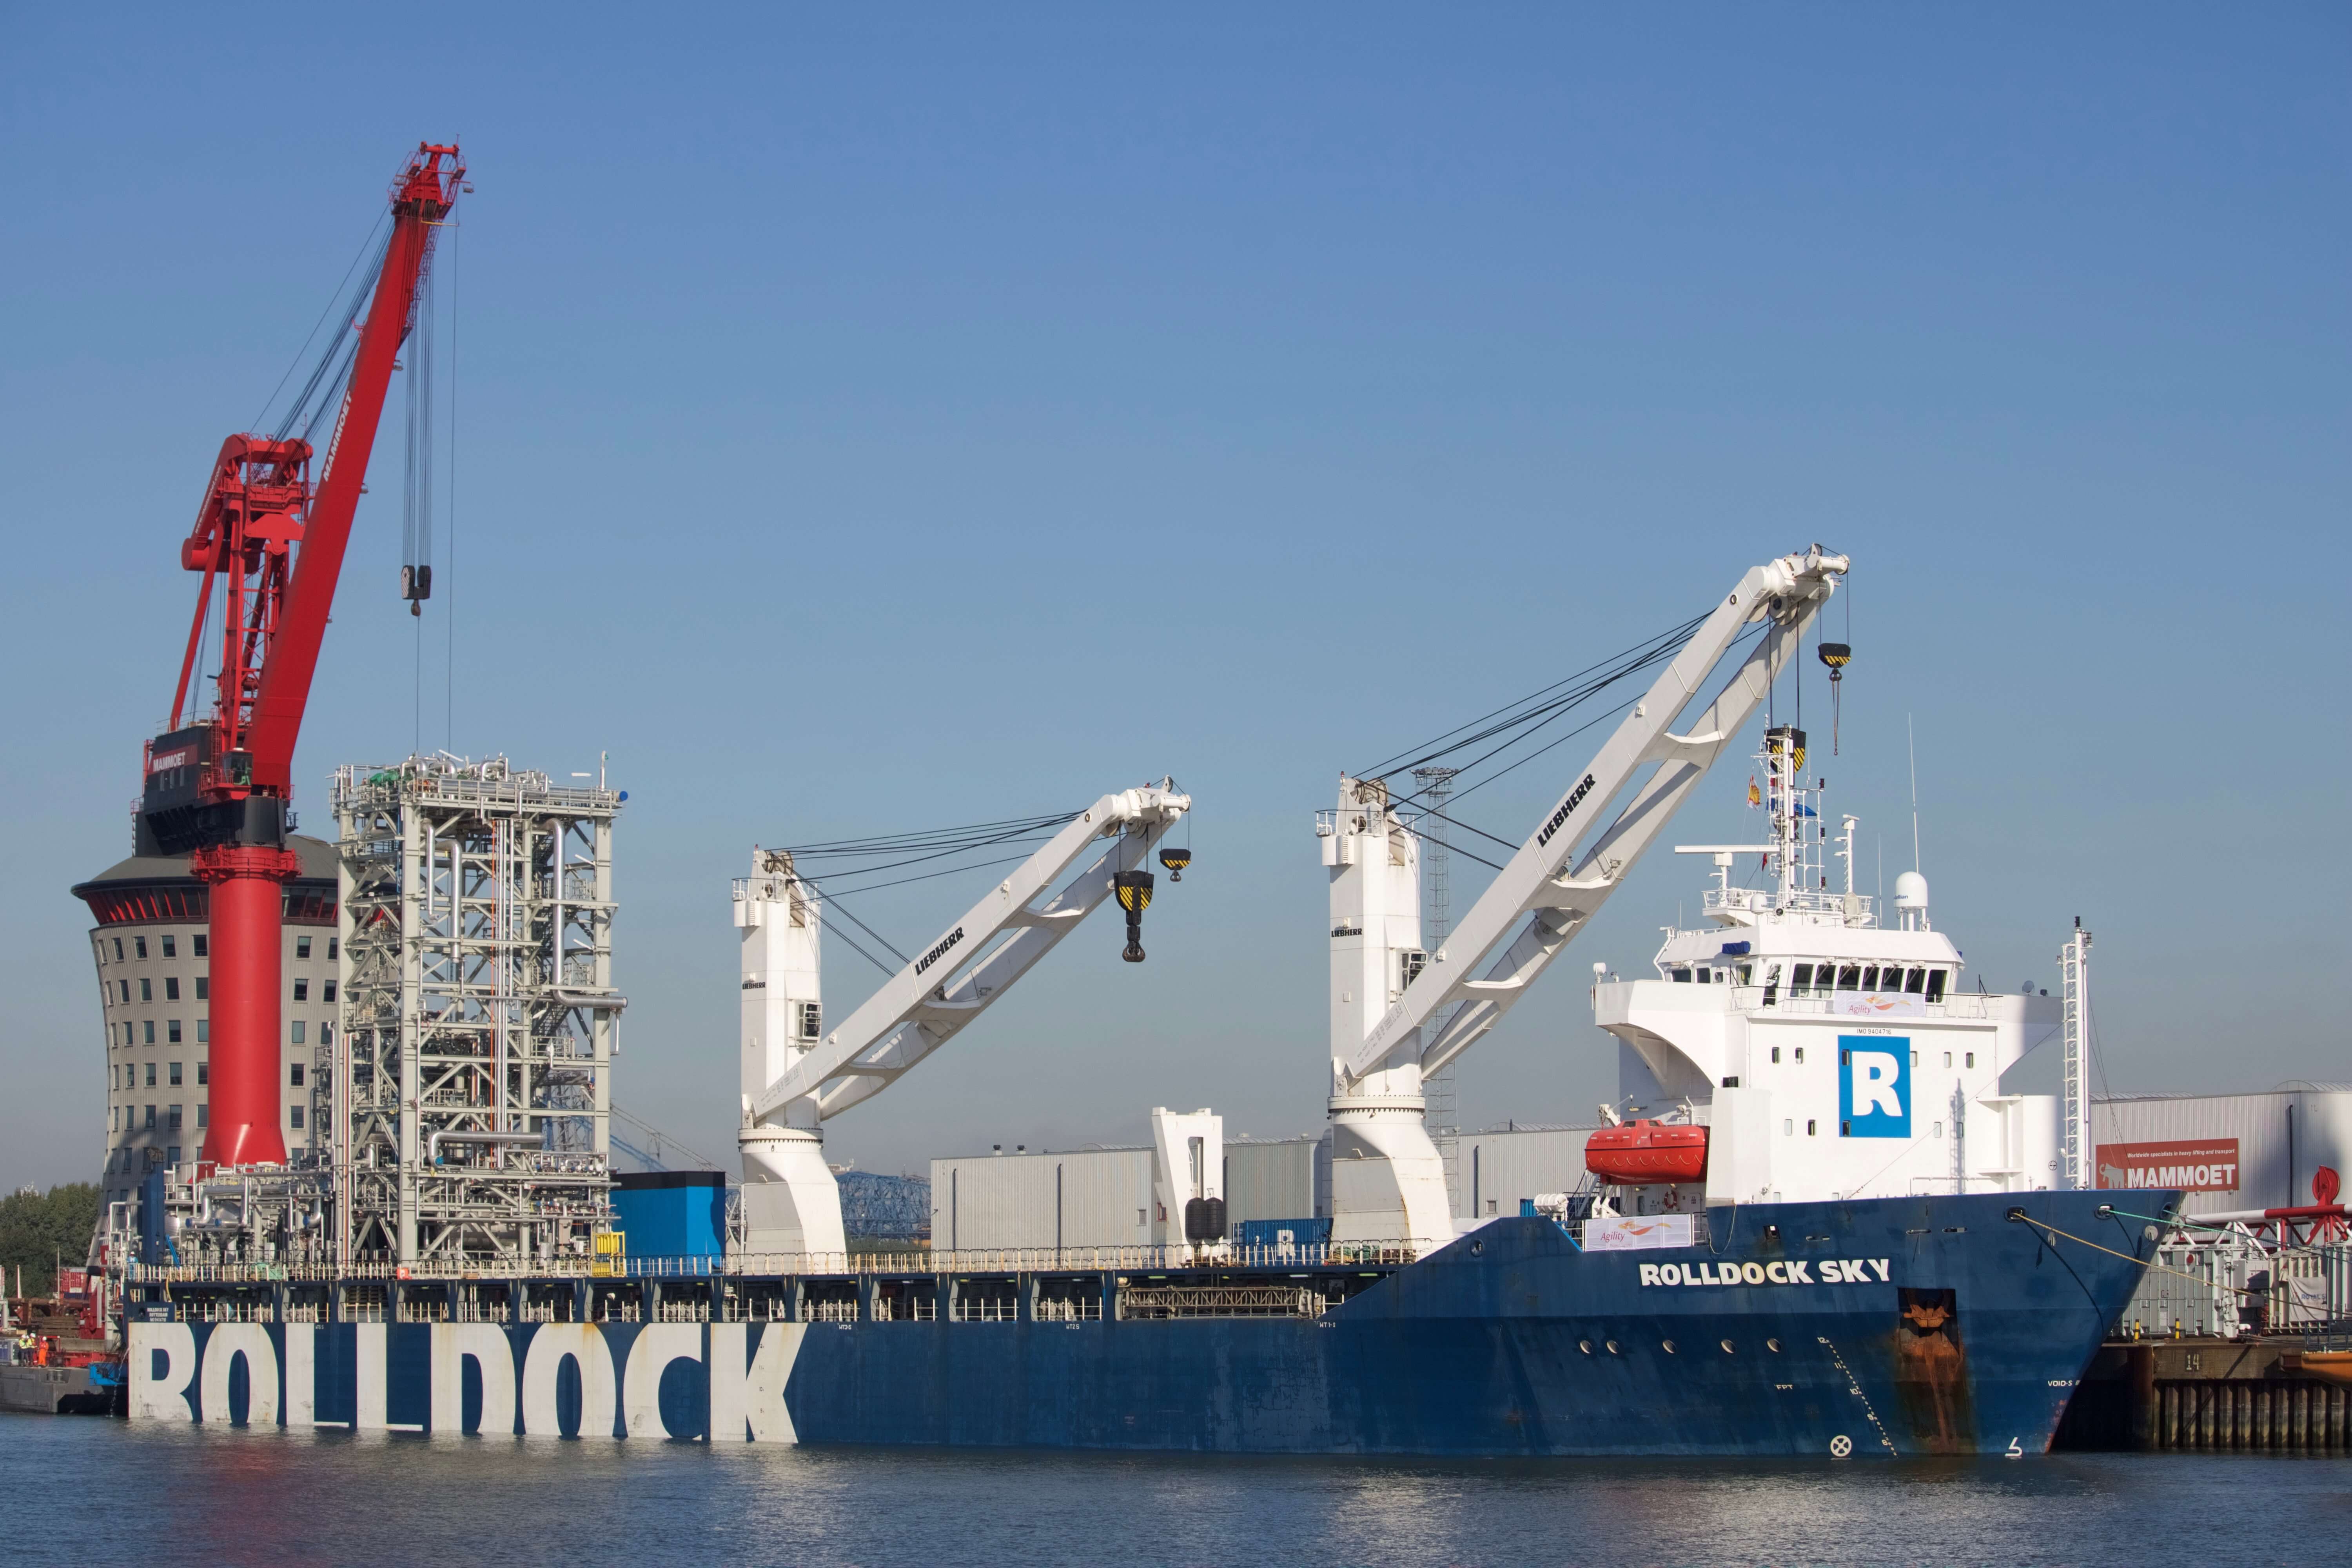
(1827, 1054)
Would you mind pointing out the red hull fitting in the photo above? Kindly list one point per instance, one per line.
(1643, 1153)
(248, 902)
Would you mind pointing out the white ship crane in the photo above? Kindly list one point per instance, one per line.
(1398, 1015)
(798, 1073)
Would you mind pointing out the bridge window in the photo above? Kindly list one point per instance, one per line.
(1682, 976)
(1849, 977)
(1800, 981)
(1935, 986)
(1915, 983)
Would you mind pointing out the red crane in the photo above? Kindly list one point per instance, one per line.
(270, 547)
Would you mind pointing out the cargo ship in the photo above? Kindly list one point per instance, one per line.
(1815, 1225)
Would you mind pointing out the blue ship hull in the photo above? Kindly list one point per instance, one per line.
(1871, 1328)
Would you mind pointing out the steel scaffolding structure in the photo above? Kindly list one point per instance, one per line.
(468, 1092)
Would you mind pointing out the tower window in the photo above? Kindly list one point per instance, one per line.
(297, 1027)
(172, 1034)
(150, 1075)
(329, 994)
(118, 950)
(171, 988)
(334, 948)
(169, 947)
(294, 1075)
(301, 947)
(146, 989)
(301, 991)
(149, 1026)
(204, 987)
(139, 945)
(204, 1031)
(198, 944)
(204, 1072)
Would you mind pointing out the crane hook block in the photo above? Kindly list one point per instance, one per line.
(1134, 889)
(1175, 860)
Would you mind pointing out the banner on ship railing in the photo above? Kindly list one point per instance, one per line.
(1878, 1004)
(1632, 1233)
(2196, 1164)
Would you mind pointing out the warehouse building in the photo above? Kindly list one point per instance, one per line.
(2234, 1153)
(1101, 1196)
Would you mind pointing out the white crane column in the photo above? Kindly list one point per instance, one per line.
(1388, 1179)
(791, 1201)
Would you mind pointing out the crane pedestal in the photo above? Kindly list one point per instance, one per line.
(248, 898)
(1388, 1179)
(791, 1201)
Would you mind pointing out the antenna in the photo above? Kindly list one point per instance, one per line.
(1911, 741)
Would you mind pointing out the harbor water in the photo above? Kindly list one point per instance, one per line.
(168, 1495)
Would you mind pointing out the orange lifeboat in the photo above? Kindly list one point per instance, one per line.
(1643, 1153)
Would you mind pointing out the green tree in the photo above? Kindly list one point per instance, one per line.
(36, 1230)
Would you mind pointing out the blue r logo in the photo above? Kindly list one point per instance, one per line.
(1874, 1087)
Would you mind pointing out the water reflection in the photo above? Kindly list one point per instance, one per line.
(210, 1495)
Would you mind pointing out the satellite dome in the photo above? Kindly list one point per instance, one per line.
(1910, 891)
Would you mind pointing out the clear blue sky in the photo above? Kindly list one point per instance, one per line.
(877, 420)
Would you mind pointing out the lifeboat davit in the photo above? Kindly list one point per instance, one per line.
(1644, 1153)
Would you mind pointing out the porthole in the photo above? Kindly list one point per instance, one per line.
(1669, 1344)
(1726, 1347)
(1584, 1345)
(1772, 1346)
(1613, 1346)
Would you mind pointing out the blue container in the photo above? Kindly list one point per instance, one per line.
(1282, 1232)
(671, 1214)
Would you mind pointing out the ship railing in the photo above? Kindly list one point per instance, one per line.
(1765, 900)
(1956, 1004)
(1172, 1259)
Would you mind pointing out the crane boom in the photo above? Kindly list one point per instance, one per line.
(796, 1075)
(1550, 889)
(927, 1002)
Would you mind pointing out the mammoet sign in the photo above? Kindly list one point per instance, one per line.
(2196, 1165)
